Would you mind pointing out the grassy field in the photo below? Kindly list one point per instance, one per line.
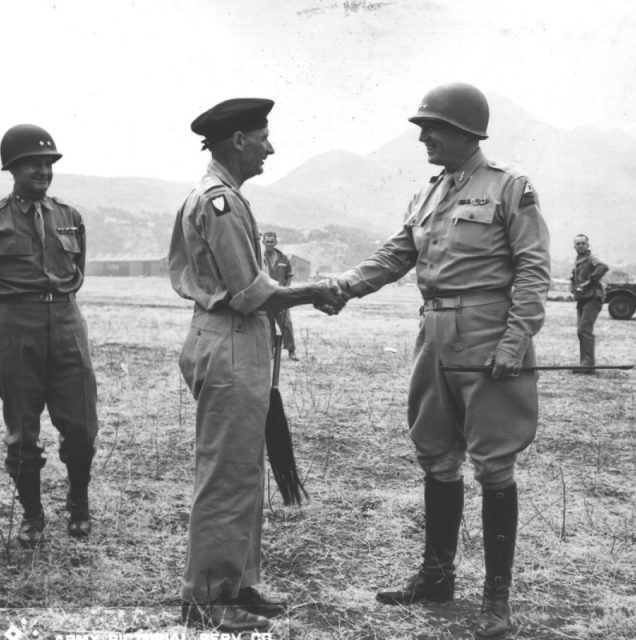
(575, 571)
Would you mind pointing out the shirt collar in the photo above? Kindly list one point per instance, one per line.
(25, 204)
(217, 169)
(463, 174)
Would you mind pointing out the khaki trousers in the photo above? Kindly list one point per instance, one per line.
(45, 361)
(226, 363)
(451, 414)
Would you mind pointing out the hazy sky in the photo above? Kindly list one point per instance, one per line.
(117, 82)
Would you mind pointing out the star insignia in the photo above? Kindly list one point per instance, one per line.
(528, 196)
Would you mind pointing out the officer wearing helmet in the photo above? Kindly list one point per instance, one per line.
(480, 247)
(43, 338)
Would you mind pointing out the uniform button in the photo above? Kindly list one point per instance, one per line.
(435, 241)
(472, 216)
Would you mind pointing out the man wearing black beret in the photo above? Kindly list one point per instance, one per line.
(215, 260)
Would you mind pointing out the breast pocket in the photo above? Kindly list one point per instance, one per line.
(15, 245)
(472, 228)
(69, 243)
(419, 236)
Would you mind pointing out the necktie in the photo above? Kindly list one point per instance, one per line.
(441, 189)
(39, 221)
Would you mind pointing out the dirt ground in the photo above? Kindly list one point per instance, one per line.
(362, 530)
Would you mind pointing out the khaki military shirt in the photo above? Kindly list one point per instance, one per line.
(27, 265)
(215, 256)
(486, 233)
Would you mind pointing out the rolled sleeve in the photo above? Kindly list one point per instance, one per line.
(255, 295)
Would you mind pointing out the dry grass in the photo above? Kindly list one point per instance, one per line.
(575, 568)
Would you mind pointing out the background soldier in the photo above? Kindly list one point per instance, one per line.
(45, 354)
(280, 269)
(480, 248)
(588, 292)
(215, 260)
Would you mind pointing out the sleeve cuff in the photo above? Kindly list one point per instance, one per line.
(255, 295)
(515, 344)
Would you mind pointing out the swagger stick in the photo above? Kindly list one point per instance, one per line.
(458, 368)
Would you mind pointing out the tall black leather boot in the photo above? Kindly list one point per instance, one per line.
(32, 525)
(79, 475)
(435, 580)
(500, 512)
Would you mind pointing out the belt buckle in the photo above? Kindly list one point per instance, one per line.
(46, 297)
(437, 304)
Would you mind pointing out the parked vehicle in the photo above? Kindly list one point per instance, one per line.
(621, 299)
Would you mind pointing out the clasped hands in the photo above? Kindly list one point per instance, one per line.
(330, 296)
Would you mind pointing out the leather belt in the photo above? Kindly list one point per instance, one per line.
(441, 303)
(18, 298)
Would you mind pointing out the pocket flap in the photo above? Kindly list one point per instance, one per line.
(482, 214)
(15, 245)
(69, 243)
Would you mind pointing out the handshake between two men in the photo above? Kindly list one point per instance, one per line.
(329, 296)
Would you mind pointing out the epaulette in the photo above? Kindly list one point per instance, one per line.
(4, 201)
(510, 169)
(211, 182)
(61, 201)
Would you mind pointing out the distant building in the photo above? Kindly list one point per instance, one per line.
(301, 268)
(127, 265)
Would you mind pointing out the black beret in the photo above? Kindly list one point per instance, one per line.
(238, 114)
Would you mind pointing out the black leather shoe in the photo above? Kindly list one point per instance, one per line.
(494, 620)
(251, 600)
(31, 532)
(421, 588)
(221, 617)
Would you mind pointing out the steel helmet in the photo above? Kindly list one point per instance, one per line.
(459, 104)
(24, 141)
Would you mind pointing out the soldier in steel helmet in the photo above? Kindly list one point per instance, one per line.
(216, 261)
(479, 244)
(43, 337)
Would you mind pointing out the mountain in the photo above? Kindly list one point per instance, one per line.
(138, 196)
(358, 191)
(585, 179)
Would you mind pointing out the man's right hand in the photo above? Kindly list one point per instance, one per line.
(329, 296)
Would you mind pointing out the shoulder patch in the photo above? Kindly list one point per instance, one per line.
(220, 205)
(528, 196)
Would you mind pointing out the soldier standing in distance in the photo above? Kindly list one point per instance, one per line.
(215, 259)
(43, 337)
(588, 292)
(480, 248)
(280, 269)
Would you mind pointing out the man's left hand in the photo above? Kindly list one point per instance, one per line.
(504, 365)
